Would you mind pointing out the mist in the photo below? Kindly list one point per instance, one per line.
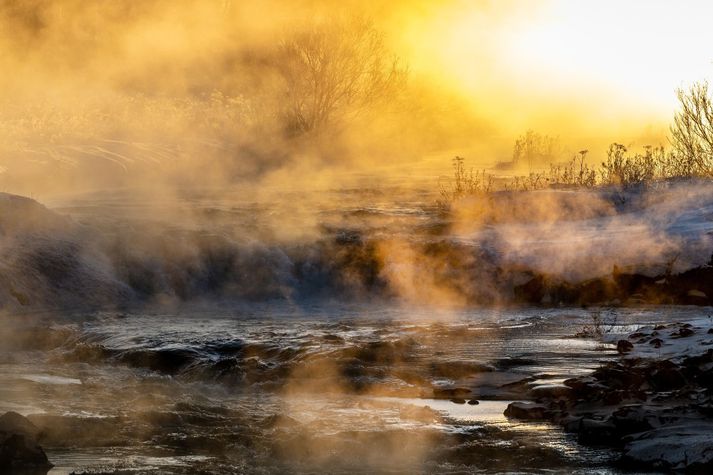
(167, 95)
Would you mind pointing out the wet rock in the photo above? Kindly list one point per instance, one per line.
(458, 400)
(571, 423)
(612, 398)
(19, 450)
(473, 402)
(508, 363)
(682, 333)
(526, 411)
(636, 335)
(672, 448)
(656, 342)
(618, 377)
(631, 419)
(551, 391)
(595, 432)
(666, 377)
(624, 346)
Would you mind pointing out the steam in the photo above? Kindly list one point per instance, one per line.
(127, 95)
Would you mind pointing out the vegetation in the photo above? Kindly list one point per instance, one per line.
(333, 71)
(533, 148)
(692, 130)
(691, 156)
(600, 325)
(464, 183)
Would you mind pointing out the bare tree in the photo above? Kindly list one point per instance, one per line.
(335, 70)
(535, 149)
(692, 130)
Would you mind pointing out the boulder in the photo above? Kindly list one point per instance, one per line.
(552, 391)
(667, 379)
(632, 419)
(19, 450)
(624, 346)
(595, 432)
(672, 448)
(526, 411)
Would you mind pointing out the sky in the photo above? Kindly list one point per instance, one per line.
(612, 61)
(483, 72)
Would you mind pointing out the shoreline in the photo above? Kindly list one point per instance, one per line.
(654, 404)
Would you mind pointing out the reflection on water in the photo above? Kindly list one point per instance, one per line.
(275, 388)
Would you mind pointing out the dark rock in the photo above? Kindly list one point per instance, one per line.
(458, 400)
(632, 419)
(671, 448)
(19, 450)
(624, 346)
(682, 333)
(618, 377)
(594, 432)
(12, 422)
(526, 411)
(473, 402)
(551, 391)
(667, 379)
(656, 342)
(531, 291)
(508, 363)
(571, 423)
(613, 398)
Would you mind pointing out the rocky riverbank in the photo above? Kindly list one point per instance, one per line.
(19, 449)
(654, 404)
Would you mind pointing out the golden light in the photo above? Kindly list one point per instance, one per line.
(554, 54)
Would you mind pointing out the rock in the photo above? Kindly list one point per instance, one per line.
(473, 402)
(594, 432)
(624, 346)
(612, 398)
(697, 293)
(18, 445)
(618, 377)
(12, 422)
(526, 411)
(458, 400)
(551, 391)
(682, 333)
(632, 419)
(571, 423)
(532, 291)
(672, 448)
(667, 378)
(656, 342)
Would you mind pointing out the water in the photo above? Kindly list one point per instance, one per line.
(345, 330)
(320, 387)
